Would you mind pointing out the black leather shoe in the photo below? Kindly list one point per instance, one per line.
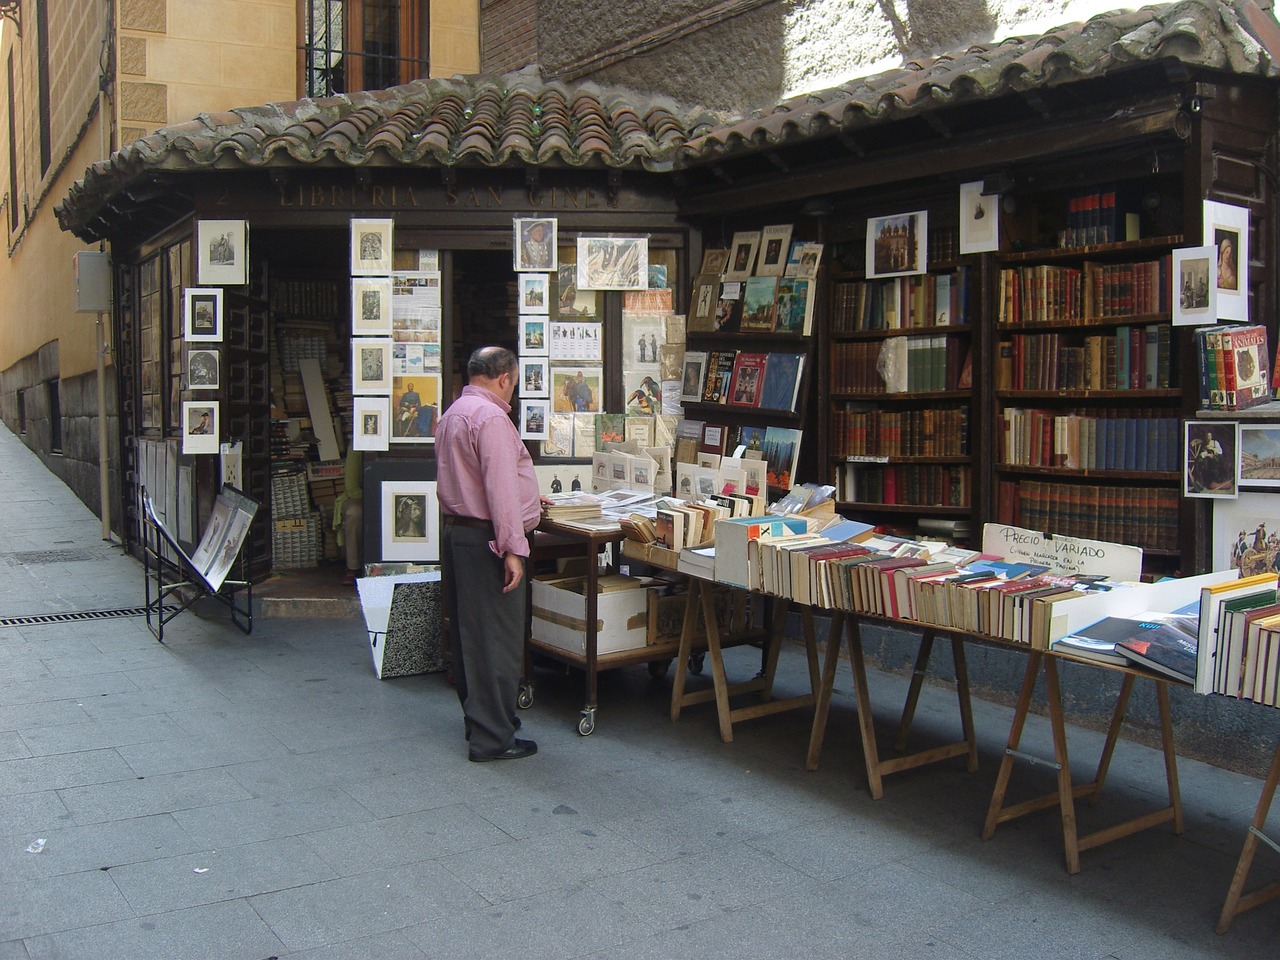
(518, 749)
(515, 724)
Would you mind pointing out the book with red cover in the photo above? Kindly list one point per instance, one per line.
(747, 382)
(1249, 366)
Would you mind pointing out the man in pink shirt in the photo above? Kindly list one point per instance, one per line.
(488, 504)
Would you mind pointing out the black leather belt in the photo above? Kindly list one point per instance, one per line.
(460, 521)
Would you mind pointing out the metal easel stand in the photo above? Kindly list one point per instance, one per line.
(165, 580)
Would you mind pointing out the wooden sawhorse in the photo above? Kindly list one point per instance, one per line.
(1237, 901)
(1065, 795)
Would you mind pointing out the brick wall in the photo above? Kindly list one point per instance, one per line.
(508, 35)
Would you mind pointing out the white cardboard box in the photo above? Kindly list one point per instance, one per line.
(560, 609)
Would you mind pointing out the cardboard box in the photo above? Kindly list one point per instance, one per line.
(666, 615)
(560, 608)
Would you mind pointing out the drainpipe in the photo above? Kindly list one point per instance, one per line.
(104, 143)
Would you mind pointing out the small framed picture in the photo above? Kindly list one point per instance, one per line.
(222, 252)
(715, 261)
(202, 314)
(535, 378)
(409, 521)
(533, 419)
(695, 365)
(371, 305)
(415, 407)
(1195, 290)
(613, 263)
(533, 336)
(577, 389)
(775, 244)
(534, 242)
(371, 250)
(1211, 459)
(533, 292)
(896, 244)
(742, 255)
(199, 426)
(203, 369)
(702, 303)
(370, 365)
(1226, 229)
(370, 416)
(979, 219)
(1259, 455)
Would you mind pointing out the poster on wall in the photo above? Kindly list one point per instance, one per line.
(199, 426)
(896, 244)
(613, 263)
(222, 252)
(533, 244)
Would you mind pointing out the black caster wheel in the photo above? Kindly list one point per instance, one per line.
(524, 699)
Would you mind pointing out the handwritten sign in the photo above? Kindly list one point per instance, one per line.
(1063, 554)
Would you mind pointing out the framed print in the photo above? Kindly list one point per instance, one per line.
(1226, 229)
(572, 303)
(1195, 293)
(415, 407)
(1259, 455)
(370, 365)
(371, 247)
(775, 244)
(534, 415)
(1244, 533)
(695, 366)
(702, 303)
(642, 334)
(533, 292)
(573, 340)
(613, 263)
(1211, 459)
(222, 252)
(577, 389)
(979, 219)
(203, 370)
(370, 418)
(742, 255)
(714, 261)
(202, 314)
(895, 245)
(410, 524)
(199, 426)
(534, 244)
(533, 336)
(371, 305)
(535, 380)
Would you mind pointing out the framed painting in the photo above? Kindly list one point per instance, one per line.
(1211, 459)
(742, 255)
(202, 314)
(371, 249)
(370, 365)
(204, 369)
(370, 418)
(534, 244)
(410, 520)
(535, 378)
(371, 305)
(896, 244)
(979, 219)
(1195, 289)
(613, 263)
(1226, 229)
(199, 426)
(534, 416)
(222, 252)
(1259, 455)
(533, 336)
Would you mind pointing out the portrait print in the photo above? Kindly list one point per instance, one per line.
(222, 253)
(409, 521)
(535, 244)
(202, 314)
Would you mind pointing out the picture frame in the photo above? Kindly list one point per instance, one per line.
(577, 341)
(370, 423)
(371, 306)
(715, 261)
(199, 426)
(695, 371)
(613, 263)
(409, 512)
(535, 377)
(775, 244)
(204, 369)
(1259, 455)
(534, 244)
(896, 244)
(533, 336)
(742, 255)
(1211, 459)
(577, 388)
(534, 288)
(371, 246)
(1193, 278)
(222, 252)
(202, 314)
(1226, 229)
(979, 219)
(415, 408)
(370, 365)
(534, 419)
(1243, 532)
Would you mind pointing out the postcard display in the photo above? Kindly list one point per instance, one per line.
(562, 385)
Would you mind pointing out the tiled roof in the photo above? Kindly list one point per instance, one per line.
(1207, 34)
(520, 119)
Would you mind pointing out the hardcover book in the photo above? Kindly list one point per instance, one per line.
(782, 378)
(747, 381)
(719, 376)
(794, 309)
(1164, 649)
(759, 295)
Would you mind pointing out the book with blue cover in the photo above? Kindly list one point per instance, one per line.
(782, 376)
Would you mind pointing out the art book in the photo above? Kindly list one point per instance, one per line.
(794, 306)
(729, 307)
(782, 377)
(745, 388)
(1252, 378)
(759, 296)
(719, 376)
(1164, 649)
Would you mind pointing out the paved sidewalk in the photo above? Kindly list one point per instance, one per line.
(225, 796)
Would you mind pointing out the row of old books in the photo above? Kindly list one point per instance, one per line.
(924, 485)
(931, 432)
(1045, 293)
(1233, 365)
(1144, 516)
(1050, 438)
(1099, 215)
(899, 303)
(901, 364)
(1130, 358)
(744, 378)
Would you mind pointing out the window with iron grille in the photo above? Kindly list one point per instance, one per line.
(362, 45)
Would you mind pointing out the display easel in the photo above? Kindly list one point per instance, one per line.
(169, 572)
